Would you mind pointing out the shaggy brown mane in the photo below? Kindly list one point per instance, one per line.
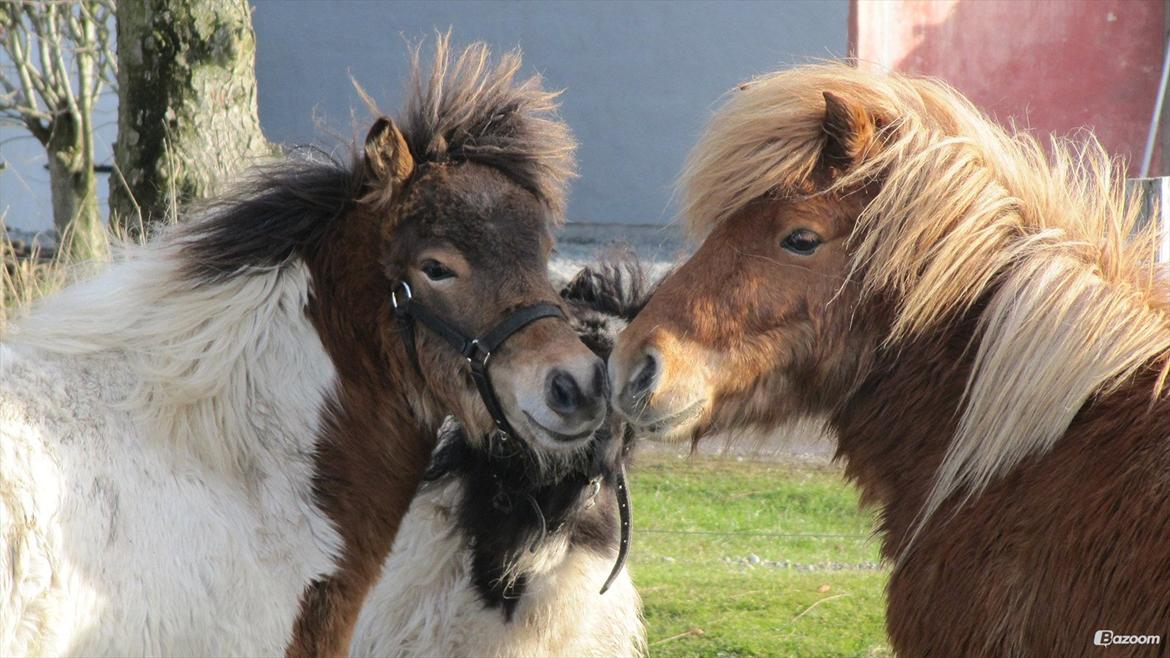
(463, 109)
(965, 212)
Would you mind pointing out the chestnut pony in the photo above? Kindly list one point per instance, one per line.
(208, 448)
(980, 323)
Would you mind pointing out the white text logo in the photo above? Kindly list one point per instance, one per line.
(1109, 638)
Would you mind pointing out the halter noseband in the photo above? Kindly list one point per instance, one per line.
(478, 352)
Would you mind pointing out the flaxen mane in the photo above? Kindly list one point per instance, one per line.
(964, 212)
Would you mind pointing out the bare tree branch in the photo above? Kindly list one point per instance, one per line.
(43, 75)
(40, 32)
(18, 52)
(61, 69)
(59, 52)
(36, 120)
(100, 16)
(60, 57)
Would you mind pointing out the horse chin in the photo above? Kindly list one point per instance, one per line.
(551, 441)
(673, 427)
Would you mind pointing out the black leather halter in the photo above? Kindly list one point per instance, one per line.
(478, 352)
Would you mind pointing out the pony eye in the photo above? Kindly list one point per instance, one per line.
(802, 242)
(436, 271)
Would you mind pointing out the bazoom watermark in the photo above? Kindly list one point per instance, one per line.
(1109, 638)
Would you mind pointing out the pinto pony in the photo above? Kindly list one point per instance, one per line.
(506, 556)
(208, 449)
(981, 324)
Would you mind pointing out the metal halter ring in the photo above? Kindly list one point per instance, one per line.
(474, 350)
(477, 350)
(594, 488)
(406, 289)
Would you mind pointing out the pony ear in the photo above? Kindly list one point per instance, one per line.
(849, 130)
(388, 162)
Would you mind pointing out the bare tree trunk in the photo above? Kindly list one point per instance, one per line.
(187, 104)
(58, 61)
(73, 189)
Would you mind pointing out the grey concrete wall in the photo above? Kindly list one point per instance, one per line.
(640, 78)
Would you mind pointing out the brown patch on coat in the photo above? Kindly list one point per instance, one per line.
(1069, 542)
(373, 449)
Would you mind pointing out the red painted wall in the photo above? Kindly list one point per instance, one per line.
(1051, 66)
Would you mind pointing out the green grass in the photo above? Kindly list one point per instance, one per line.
(706, 594)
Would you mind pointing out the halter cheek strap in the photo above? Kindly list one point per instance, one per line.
(478, 351)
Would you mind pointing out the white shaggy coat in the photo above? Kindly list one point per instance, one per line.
(155, 465)
(426, 605)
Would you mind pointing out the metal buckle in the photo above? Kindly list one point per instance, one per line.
(409, 294)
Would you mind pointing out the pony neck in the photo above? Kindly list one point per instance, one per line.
(378, 436)
(895, 427)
